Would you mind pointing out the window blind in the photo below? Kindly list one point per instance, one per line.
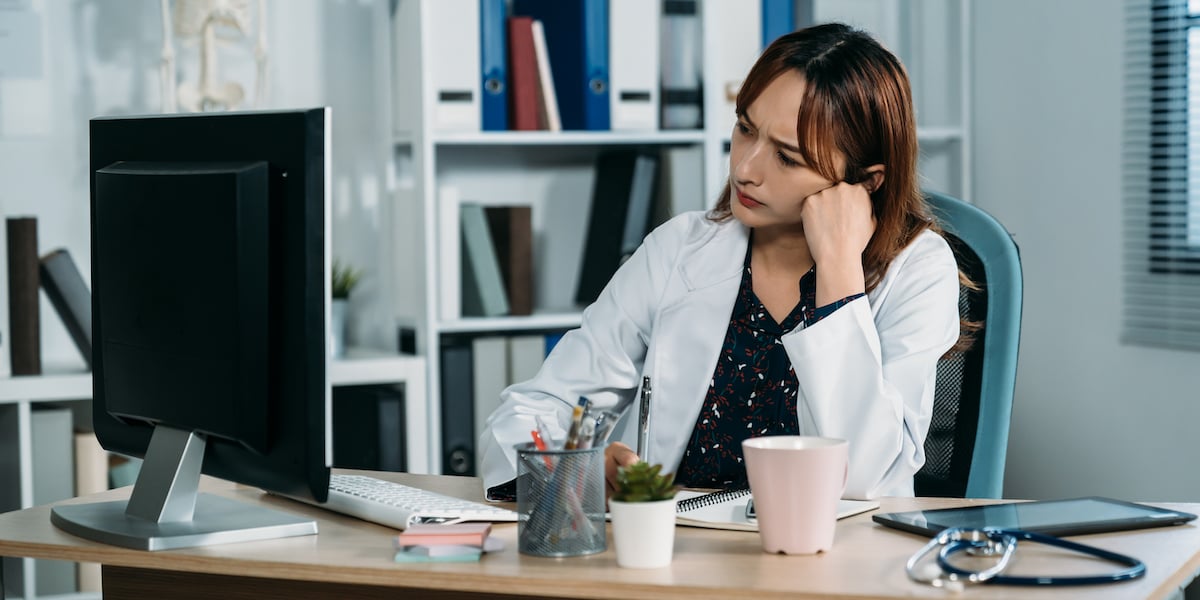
(1161, 184)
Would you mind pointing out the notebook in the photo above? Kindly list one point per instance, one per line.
(727, 509)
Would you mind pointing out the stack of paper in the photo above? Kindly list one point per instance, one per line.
(459, 542)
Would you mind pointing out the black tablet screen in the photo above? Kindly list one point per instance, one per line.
(1055, 517)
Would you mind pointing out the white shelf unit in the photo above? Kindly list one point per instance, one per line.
(552, 171)
(20, 396)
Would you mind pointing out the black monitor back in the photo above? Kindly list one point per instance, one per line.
(210, 288)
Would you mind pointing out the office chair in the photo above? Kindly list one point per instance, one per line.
(968, 436)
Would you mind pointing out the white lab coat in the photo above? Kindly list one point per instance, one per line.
(866, 372)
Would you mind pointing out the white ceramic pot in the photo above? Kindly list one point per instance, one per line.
(643, 533)
(337, 327)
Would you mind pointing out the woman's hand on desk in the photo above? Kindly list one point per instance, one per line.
(616, 455)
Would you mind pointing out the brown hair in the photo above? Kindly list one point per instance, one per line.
(857, 102)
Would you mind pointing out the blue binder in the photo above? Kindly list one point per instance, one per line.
(577, 42)
(493, 63)
(778, 18)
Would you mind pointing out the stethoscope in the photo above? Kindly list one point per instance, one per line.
(1002, 544)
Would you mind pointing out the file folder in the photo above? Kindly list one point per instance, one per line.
(577, 38)
(493, 61)
(680, 43)
(453, 63)
(633, 67)
(778, 19)
(734, 55)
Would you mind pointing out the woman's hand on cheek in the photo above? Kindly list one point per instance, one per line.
(838, 223)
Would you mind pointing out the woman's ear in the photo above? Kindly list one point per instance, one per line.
(873, 178)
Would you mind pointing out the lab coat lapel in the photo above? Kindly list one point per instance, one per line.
(688, 339)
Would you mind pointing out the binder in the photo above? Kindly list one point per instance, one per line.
(680, 96)
(633, 67)
(489, 377)
(778, 18)
(458, 422)
(577, 39)
(523, 75)
(733, 56)
(493, 62)
(622, 201)
(453, 62)
(70, 297)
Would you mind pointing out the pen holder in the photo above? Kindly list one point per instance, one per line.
(560, 501)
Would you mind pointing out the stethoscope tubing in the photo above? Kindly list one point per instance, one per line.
(1136, 568)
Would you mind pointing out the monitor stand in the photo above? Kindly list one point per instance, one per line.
(166, 512)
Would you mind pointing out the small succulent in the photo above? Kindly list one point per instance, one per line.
(643, 482)
(344, 278)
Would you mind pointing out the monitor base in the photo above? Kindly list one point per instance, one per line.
(216, 520)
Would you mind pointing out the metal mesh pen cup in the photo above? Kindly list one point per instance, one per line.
(560, 501)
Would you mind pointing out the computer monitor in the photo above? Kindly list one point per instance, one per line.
(210, 304)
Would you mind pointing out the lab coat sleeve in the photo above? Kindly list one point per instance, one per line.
(601, 360)
(867, 373)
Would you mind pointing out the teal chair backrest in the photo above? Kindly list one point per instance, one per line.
(968, 439)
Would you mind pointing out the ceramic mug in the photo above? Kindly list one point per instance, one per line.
(796, 482)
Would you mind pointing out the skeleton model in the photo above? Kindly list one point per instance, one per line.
(210, 22)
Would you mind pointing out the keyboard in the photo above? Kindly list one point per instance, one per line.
(398, 505)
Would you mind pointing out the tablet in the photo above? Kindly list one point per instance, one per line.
(1074, 516)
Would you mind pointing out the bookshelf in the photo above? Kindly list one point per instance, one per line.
(23, 396)
(553, 170)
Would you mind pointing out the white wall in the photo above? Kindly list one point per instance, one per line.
(98, 57)
(1091, 416)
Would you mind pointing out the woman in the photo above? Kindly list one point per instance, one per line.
(815, 299)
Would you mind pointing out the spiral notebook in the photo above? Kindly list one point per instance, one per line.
(727, 509)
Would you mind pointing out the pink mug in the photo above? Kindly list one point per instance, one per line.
(796, 482)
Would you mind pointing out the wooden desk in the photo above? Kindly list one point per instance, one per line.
(352, 558)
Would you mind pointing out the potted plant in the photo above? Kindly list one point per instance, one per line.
(344, 278)
(643, 516)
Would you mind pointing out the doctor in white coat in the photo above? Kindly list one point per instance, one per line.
(823, 207)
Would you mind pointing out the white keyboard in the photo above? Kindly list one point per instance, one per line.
(398, 505)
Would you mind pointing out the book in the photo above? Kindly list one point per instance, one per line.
(460, 534)
(512, 234)
(449, 259)
(621, 207)
(548, 114)
(24, 327)
(69, 295)
(483, 293)
(523, 78)
(727, 509)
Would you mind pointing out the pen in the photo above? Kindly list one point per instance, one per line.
(644, 418)
(576, 420)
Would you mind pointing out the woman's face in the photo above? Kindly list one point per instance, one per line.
(768, 178)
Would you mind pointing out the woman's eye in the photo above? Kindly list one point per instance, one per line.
(743, 128)
(786, 160)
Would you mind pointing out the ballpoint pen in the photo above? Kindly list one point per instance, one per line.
(644, 419)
